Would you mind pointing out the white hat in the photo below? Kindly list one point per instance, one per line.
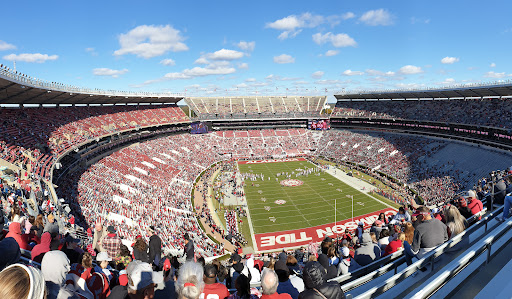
(361, 223)
(141, 274)
(103, 256)
(345, 251)
(471, 194)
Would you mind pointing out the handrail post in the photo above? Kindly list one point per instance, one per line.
(432, 259)
(488, 247)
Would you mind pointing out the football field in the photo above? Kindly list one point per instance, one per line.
(274, 207)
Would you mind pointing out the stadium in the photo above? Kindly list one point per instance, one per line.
(402, 191)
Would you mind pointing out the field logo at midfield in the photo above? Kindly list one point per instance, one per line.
(302, 237)
(272, 161)
(291, 183)
(280, 202)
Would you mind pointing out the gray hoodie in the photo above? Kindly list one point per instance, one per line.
(368, 252)
(55, 267)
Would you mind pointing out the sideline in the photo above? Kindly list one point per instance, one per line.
(354, 183)
(198, 201)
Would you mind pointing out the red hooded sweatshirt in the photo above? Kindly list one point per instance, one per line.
(40, 249)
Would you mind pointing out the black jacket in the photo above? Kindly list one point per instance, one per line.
(313, 278)
(189, 250)
(140, 255)
(155, 248)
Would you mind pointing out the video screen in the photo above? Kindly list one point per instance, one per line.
(199, 128)
(319, 124)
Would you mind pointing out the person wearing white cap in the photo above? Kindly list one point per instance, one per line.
(103, 259)
(141, 282)
(347, 263)
(18, 274)
(474, 204)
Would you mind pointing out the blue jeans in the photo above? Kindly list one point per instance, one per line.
(409, 254)
(506, 207)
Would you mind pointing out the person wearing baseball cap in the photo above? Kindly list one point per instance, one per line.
(103, 264)
(347, 263)
(141, 282)
(69, 248)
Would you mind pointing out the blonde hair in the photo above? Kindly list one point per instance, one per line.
(51, 217)
(401, 237)
(455, 222)
(14, 283)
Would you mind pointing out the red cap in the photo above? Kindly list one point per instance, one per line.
(167, 265)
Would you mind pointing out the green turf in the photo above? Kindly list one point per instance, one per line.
(308, 205)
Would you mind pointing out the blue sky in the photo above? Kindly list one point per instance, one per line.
(222, 48)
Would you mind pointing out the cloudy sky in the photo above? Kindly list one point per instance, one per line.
(222, 48)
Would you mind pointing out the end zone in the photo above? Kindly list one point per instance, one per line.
(271, 161)
(302, 237)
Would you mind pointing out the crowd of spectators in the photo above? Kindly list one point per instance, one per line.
(492, 112)
(399, 156)
(33, 138)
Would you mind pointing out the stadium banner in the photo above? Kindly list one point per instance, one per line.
(272, 161)
(302, 237)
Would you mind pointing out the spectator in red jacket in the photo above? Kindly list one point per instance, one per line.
(15, 233)
(475, 205)
(40, 249)
(395, 245)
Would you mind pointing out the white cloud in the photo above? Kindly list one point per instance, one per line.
(284, 58)
(379, 17)
(496, 75)
(448, 81)
(372, 72)
(317, 74)
(168, 62)
(200, 72)
(225, 54)
(201, 60)
(250, 80)
(352, 73)
(293, 24)
(92, 51)
(243, 66)
(492, 64)
(6, 46)
(337, 40)
(449, 60)
(246, 46)
(415, 20)
(410, 69)
(109, 72)
(409, 86)
(332, 53)
(348, 15)
(328, 82)
(150, 41)
(35, 57)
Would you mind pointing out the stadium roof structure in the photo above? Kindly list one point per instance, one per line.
(20, 89)
(493, 90)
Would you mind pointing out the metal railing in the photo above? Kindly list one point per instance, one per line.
(25, 80)
(429, 259)
(471, 254)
